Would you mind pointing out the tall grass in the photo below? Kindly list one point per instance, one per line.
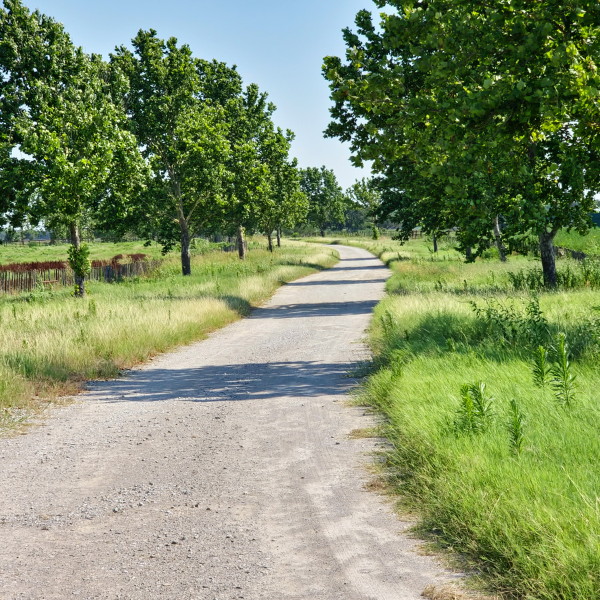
(50, 342)
(507, 474)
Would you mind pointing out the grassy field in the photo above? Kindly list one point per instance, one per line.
(506, 474)
(590, 243)
(17, 253)
(50, 342)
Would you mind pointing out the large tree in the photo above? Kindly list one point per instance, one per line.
(77, 157)
(281, 202)
(182, 135)
(502, 93)
(251, 141)
(326, 201)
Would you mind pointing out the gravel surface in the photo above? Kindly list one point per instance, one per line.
(221, 470)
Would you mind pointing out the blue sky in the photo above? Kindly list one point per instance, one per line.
(277, 44)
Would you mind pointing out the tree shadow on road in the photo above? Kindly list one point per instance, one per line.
(229, 383)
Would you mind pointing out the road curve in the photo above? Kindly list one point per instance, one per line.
(221, 470)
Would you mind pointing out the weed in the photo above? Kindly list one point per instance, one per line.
(516, 422)
(563, 381)
(388, 322)
(475, 409)
(512, 325)
(482, 405)
(527, 280)
(541, 367)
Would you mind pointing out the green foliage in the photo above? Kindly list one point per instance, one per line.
(516, 422)
(563, 381)
(326, 201)
(79, 260)
(81, 158)
(511, 324)
(183, 133)
(541, 367)
(475, 410)
(464, 135)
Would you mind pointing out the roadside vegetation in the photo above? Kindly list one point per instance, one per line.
(487, 385)
(51, 343)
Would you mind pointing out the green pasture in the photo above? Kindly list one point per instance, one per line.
(35, 252)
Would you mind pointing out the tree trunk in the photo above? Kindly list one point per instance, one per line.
(548, 258)
(322, 230)
(499, 244)
(468, 253)
(76, 242)
(435, 246)
(186, 262)
(279, 237)
(240, 243)
(186, 259)
(270, 238)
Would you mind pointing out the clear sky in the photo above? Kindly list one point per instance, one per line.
(277, 44)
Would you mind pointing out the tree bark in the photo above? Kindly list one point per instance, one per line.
(468, 253)
(435, 245)
(279, 237)
(548, 258)
(270, 238)
(186, 262)
(186, 259)
(76, 242)
(240, 243)
(499, 244)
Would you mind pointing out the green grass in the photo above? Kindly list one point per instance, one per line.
(525, 514)
(16, 253)
(590, 243)
(50, 342)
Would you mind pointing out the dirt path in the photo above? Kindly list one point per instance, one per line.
(222, 470)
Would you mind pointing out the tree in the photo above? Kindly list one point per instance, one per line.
(365, 194)
(79, 154)
(326, 201)
(282, 202)
(183, 136)
(251, 130)
(503, 91)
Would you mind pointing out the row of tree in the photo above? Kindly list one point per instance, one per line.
(153, 140)
(482, 116)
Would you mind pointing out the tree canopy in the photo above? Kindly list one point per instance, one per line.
(326, 200)
(76, 156)
(154, 141)
(471, 111)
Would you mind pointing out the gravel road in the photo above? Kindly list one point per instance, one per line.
(221, 470)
